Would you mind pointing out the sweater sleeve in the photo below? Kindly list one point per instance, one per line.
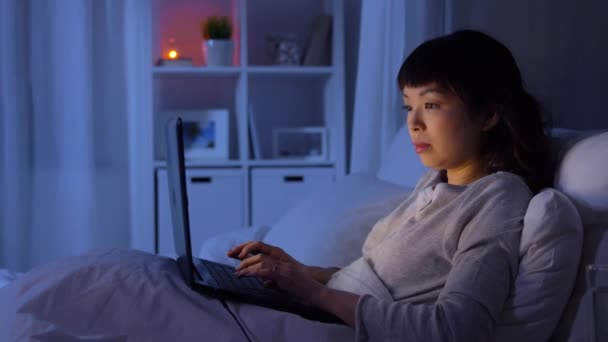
(483, 267)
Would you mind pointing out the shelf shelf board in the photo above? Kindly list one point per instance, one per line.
(289, 162)
(204, 163)
(304, 71)
(253, 163)
(254, 71)
(196, 71)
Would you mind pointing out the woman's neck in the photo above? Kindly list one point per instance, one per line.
(465, 174)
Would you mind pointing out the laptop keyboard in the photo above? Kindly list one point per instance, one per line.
(224, 276)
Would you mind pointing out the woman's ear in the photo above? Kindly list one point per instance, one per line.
(490, 123)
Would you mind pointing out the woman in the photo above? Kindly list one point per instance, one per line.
(440, 266)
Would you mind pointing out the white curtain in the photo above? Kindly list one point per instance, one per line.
(389, 31)
(64, 121)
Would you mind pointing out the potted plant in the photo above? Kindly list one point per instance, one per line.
(217, 46)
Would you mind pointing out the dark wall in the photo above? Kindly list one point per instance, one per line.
(561, 47)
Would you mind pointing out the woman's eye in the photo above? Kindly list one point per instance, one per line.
(407, 108)
(430, 106)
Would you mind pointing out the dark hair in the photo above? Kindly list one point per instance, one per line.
(484, 75)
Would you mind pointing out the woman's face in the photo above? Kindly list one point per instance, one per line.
(444, 136)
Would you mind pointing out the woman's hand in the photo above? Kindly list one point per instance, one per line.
(305, 283)
(277, 268)
(242, 251)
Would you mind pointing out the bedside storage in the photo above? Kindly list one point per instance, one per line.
(274, 191)
(216, 205)
(259, 96)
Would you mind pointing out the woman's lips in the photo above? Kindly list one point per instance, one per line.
(421, 147)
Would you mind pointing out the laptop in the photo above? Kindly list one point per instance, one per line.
(208, 277)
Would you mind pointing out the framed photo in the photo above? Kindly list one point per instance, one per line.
(307, 143)
(206, 133)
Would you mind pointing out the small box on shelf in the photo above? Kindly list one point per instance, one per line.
(177, 62)
(283, 49)
(303, 143)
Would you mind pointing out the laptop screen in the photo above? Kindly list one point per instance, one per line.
(176, 171)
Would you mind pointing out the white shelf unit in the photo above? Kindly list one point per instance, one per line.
(281, 96)
(196, 71)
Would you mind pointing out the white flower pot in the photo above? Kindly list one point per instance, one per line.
(218, 52)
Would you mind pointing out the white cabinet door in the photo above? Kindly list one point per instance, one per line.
(215, 205)
(274, 191)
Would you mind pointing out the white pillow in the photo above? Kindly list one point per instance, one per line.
(583, 176)
(401, 165)
(549, 257)
(329, 227)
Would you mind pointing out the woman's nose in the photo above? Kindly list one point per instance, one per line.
(414, 121)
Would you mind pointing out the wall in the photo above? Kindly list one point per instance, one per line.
(560, 48)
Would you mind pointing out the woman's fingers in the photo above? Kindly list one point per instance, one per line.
(234, 251)
(259, 265)
(252, 260)
(242, 250)
(254, 247)
(287, 275)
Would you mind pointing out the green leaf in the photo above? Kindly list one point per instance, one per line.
(216, 27)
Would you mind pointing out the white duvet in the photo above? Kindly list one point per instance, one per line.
(120, 295)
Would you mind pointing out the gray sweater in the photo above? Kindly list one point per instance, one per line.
(440, 266)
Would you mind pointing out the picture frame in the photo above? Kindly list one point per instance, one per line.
(206, 133)
(302, 143)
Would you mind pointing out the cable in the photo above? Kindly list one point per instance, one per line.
(236, 319)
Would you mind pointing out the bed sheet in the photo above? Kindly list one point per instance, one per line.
(126, 295)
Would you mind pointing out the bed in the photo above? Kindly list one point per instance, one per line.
(120, 295)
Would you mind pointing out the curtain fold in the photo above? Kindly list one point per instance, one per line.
(15, 134)
(389, 31)
(64, 120)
